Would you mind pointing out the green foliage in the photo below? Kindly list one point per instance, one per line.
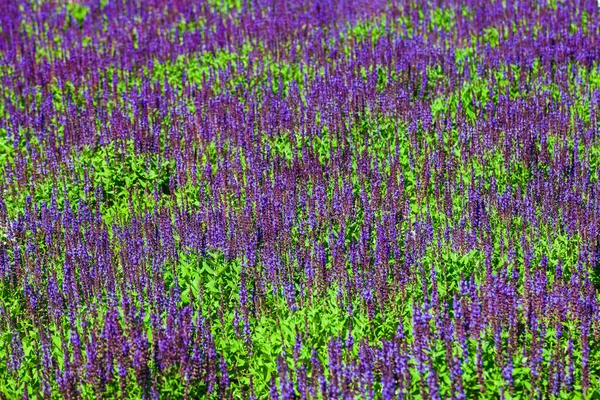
(443, 18)
(77, 12)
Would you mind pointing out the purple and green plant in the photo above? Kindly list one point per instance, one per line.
(307, 199)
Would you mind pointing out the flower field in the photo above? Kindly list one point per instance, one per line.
(336, 199)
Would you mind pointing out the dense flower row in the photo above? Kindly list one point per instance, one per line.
(343, 199)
